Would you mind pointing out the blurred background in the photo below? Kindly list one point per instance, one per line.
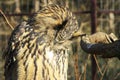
(92, 15)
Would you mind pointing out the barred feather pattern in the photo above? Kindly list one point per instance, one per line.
(36, 49)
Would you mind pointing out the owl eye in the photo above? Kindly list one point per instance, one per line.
(61, 26)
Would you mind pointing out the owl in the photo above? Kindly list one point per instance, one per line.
(38, 48)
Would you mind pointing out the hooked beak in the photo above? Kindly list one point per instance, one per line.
(78, 34)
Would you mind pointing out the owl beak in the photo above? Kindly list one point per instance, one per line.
(78, 34)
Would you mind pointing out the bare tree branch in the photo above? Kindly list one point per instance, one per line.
(6, 19)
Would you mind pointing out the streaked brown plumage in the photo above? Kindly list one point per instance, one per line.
(37, 48)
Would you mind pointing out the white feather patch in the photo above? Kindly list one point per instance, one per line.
(49, 54)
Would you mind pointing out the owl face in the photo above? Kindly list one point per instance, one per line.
(57, 21)
(68, 28)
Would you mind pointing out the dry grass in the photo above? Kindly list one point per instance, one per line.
(1, 68)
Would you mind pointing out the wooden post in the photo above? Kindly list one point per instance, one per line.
(93, 30)
(17, 3)
(36, 5)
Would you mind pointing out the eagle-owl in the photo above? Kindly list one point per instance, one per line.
(37, 48)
